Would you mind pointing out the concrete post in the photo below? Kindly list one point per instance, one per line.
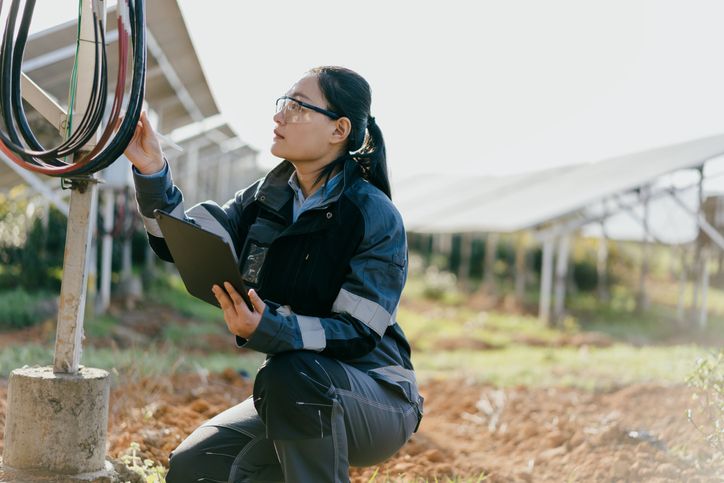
(57, 417)
(56, 425)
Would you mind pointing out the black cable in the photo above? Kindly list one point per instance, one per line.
(5, 86)
(138, 87)
(96, 105)
(11, 107)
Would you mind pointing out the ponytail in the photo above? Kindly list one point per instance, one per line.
(372, 158)
(349, 94)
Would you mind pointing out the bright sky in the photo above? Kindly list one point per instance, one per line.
(488, 87)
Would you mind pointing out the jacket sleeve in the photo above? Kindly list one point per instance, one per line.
(364, 307)
(157, 191)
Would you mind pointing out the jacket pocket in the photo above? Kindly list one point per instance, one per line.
(260, 237)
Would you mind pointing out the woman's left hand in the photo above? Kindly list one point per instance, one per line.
(239, 319)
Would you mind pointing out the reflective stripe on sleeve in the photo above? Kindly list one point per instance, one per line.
(151, 224)
(370, 313)
(313, 337)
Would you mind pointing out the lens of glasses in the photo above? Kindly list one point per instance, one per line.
(293, 112)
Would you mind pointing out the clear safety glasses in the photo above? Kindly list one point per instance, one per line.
(296, 112)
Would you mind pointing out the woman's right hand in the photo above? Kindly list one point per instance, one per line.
(144, 149)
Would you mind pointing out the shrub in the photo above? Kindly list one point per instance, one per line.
(438, 283)
(19, 308)
(585, 275)
(708, 381)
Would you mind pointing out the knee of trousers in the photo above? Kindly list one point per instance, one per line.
(182, 465)
(189, 457)
(294, 393)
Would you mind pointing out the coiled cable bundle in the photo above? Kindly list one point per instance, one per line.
(17, 140)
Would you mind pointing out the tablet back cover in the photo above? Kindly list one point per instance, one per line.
(202, 258)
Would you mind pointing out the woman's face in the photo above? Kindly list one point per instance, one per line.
(304, 135)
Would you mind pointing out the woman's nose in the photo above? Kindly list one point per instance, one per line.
(278, 118)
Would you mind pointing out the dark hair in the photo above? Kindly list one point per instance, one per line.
(348, 93)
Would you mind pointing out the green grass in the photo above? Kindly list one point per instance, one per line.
(186, 334)
(99, 326)
(137, 362)
(658, 323)
(589, 368)
(170, 291)
(511, 362)
(427, 324)
(425, 329)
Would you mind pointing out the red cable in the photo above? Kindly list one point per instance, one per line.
(110, 127)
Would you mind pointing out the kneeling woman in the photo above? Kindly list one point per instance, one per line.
(324, 250)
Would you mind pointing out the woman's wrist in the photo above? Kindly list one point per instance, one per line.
(152, 169)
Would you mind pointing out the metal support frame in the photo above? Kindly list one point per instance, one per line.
(680, 305)
(107, 250)
(466, 248)
(491, 248)
(564, 246)
(546, 278)
(642, 299)
(602, 264)
(520, 267)
(43, 103)
(711, 232)
(191, 173)
(703, 312)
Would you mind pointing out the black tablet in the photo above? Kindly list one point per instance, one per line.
(201, 257)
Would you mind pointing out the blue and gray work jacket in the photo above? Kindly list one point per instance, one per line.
(331, 280)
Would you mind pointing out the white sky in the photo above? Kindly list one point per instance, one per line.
(488, 87)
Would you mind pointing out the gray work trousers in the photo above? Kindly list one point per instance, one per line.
(310, 417)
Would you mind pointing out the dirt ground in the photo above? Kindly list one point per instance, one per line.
(635, 433)
(470, 431)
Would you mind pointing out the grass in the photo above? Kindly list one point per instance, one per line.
(138, 362)
(513, 362)
(425, 329)
(589, 368)
(427, 324)
(99, 326)
(185, 335)
(657, 324)
(169, 290)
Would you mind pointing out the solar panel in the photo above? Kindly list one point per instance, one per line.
(512, 203)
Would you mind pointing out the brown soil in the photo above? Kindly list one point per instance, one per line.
(636, 433)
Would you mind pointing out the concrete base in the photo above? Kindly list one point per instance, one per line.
(107, 475)
(57, 423)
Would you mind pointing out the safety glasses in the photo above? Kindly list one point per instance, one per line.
(295, 111)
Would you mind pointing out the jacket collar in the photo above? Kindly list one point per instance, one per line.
(274, 191)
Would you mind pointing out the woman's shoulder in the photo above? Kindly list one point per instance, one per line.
(378, 211)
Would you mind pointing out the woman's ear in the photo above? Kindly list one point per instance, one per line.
(342, 128)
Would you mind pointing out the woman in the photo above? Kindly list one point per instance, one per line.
(324, 250)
